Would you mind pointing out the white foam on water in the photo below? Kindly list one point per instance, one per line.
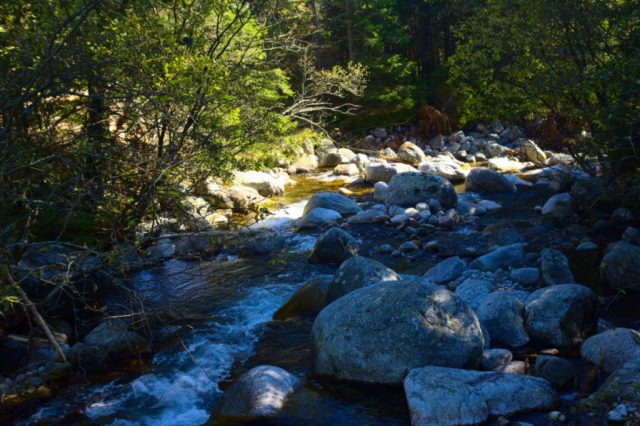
(183, 385)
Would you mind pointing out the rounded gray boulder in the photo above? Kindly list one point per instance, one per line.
(502, 314)
(378, 333)
(561, 315)
(611, 349)
(620, 268)
(411, 188)
(259, 393)
(332, 201)
(482, 179)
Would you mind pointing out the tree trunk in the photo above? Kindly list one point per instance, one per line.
(349, 12)
(316, 29)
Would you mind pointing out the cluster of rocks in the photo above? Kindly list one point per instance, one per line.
(450, 343)
(33, 380)
(499, 149)
(110, 343)
(452, 337)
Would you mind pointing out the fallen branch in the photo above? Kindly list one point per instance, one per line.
(7, 280)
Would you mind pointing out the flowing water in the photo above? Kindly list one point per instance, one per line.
(227, 304)
(238, 298)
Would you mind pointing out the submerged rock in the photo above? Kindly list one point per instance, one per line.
(356, 273)
(334, 246)
(311, 298)
(501, 258)
(447, 270)
(378, 333)
(411, 188)
(448, 396)
(332, 201)
(259, 393)
(562, 315)
(506, 165)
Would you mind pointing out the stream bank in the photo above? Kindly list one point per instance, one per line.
(223, 304)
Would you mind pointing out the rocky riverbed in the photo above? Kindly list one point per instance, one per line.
(470, 278)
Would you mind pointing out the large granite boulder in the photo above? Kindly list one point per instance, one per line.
(620, 387)
(447, 396)
(111, 340)
(378, 333)
(557, 371)
(558, 206)
(237, 198)
(533, 152)
(411, 188)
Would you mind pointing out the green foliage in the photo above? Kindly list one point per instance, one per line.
(108, 107)
(404, 45)
(574, 61)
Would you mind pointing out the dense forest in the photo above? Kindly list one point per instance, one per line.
(137, 133)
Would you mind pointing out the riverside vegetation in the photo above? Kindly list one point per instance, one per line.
(319, 212)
